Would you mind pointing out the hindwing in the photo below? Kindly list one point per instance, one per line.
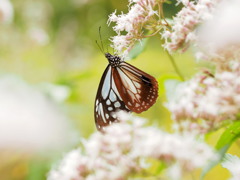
(137, 89)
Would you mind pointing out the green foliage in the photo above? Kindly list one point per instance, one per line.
(231, 134)
(137, 49)
(169, 82)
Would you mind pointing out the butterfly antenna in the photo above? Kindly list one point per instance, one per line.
(99, 47)
(99, 31)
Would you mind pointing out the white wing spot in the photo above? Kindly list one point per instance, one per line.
(117, 104)
(102, 113)
(131, 94)
(106, 84)
(137, 84)
(108, 102)
(110, 108)
(138, 96)
(137, 105)
(112, 96)
(107, 116)
(114, 88)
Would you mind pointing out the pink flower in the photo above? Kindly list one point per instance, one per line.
(133, 23)
(6, 11)
(125, 147)
(206, 101)
(218, 38)
(183, 26)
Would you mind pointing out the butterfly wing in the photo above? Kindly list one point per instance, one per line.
(137, 89)
(108, 100)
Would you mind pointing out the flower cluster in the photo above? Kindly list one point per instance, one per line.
(142, 15)
(6, 11)
(218, 38)
(184, 24)
(127, 149)
(207, 98)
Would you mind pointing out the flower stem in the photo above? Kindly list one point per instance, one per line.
(175, 66)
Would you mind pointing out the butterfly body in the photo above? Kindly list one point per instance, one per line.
(123, 87)
(113, 60)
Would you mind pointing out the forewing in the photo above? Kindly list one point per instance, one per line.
(108, 101)
(138, 89)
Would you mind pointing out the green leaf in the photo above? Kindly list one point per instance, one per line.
(167, 84)
(221, 152)
(168, 2)
(170, 88)
(137, 49)
(223, 144)
(229, 136)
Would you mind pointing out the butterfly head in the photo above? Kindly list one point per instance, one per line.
(113, 60)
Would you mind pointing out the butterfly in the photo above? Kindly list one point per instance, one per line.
(123, 87)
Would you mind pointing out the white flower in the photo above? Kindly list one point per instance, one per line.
(183, 30)
(6, 11)
(232, 163)
(39, 36)
(132, 24)
(29, 121)
(175, 172)
(70, 166)
(119, 152)
(208, 99)
(219, 37)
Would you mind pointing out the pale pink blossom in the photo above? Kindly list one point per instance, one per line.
(206, 100)
(38, 36)
(130, 27)
(6, 11)
(219, 37)
(183, 27)
(124, 149)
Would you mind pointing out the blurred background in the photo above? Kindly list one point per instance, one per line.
(50, 67)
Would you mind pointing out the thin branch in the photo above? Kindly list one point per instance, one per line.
(160, 11)
(175, 66)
